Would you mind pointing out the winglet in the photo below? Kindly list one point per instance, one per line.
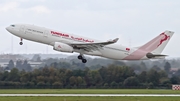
(115, 40)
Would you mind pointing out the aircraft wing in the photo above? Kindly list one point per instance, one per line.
(92, 46)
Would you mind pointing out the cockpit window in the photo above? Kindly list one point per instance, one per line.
(13, 25)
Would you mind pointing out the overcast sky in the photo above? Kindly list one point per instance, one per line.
(134, 21)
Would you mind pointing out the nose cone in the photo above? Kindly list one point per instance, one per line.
(8, 29)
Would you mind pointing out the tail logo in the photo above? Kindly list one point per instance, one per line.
(166, 37)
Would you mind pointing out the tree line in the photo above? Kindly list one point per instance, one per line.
(61, 75)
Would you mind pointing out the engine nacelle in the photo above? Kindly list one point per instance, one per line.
(150, 55)
(58, 46)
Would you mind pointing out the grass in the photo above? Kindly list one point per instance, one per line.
(89, 98)
(87, 91)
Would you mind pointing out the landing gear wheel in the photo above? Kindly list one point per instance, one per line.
(21, 43)
(80, 57)
(84, 60)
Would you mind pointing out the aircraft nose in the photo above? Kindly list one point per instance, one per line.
(7, 28)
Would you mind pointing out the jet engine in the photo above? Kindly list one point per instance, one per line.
(62, 47)
(150, 55)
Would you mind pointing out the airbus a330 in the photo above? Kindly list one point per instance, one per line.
(70, 43)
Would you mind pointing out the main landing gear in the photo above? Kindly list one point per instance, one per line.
(81, 57)
(21, 43)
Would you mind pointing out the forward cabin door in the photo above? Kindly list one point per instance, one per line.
(22, 29)
(45, 34)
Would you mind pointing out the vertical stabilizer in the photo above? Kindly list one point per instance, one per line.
(157, 44)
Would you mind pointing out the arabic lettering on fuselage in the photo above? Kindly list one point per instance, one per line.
(81, 39)
(72, 37)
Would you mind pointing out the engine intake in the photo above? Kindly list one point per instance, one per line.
(150, 55)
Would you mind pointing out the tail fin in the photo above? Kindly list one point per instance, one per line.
(157, 44)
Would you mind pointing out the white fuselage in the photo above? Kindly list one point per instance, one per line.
(49, 37)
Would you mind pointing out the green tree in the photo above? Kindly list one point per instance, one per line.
(40, 78)
(10, 64)
(14, 75)
(96, 78)
(118, 73)
(72, 81)
(155, 67)
(153, 76)
(57, 83)
(120, 63)
(131, 81)
(65, 76)
(143, 66)
(163, 74)
(25, 77)
(114, 84)
(103, 72)
(41, 84)
(106, 85)
(19, 65)
(88, 78)
(26, 66)
(175, 80)
(80, 81)
(167, 67)
(143, 77)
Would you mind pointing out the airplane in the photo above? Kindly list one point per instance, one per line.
(70, 43)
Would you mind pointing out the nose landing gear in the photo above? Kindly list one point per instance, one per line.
(21, 43)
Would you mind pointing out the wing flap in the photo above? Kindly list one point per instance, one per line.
(92, 46)
(100, 43)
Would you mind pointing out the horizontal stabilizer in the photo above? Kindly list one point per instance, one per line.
(155, 56)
